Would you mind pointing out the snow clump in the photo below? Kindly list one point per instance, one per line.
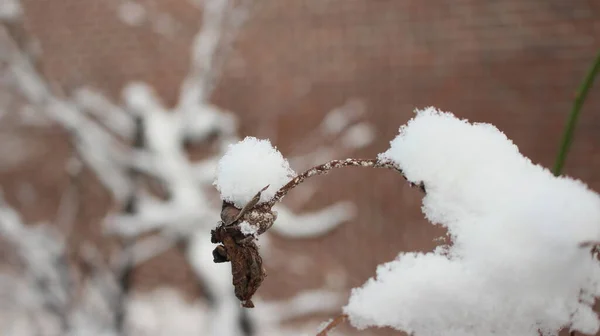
(247, 167)
(515, 266)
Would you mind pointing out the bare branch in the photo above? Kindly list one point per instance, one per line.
(326, 167)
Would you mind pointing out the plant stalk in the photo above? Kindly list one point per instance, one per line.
(582, 93)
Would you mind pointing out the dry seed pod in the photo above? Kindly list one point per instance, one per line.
(240, 249)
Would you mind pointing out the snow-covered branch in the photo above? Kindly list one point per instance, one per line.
(519, 262)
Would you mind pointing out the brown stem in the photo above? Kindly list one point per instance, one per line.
(326, 167)
(589, 243)
(333, 324)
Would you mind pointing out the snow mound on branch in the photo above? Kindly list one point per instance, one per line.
(247, 167)
(515, 266)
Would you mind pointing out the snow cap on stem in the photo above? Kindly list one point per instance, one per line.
(247, 167)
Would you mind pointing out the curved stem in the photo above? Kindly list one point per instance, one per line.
(574, 115)
(326, 167)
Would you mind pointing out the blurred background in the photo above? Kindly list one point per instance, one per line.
(113, 114)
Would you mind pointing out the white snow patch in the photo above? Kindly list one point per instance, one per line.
(165, 312)
(247, 167)
(248, 229)
(515, 266)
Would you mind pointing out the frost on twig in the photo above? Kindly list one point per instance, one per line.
(326, 167)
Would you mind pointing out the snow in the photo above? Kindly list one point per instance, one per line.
(313, 224)
(247, 167)
(165, 312)
(304, 303)
(204, 120)
(515, 265)
(248, 229)
(114, 117)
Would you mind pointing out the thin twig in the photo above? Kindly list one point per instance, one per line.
(573, 116)
(326, 167)
(333, 324)
(589, 243)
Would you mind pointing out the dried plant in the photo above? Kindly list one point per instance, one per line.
(238, 228)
